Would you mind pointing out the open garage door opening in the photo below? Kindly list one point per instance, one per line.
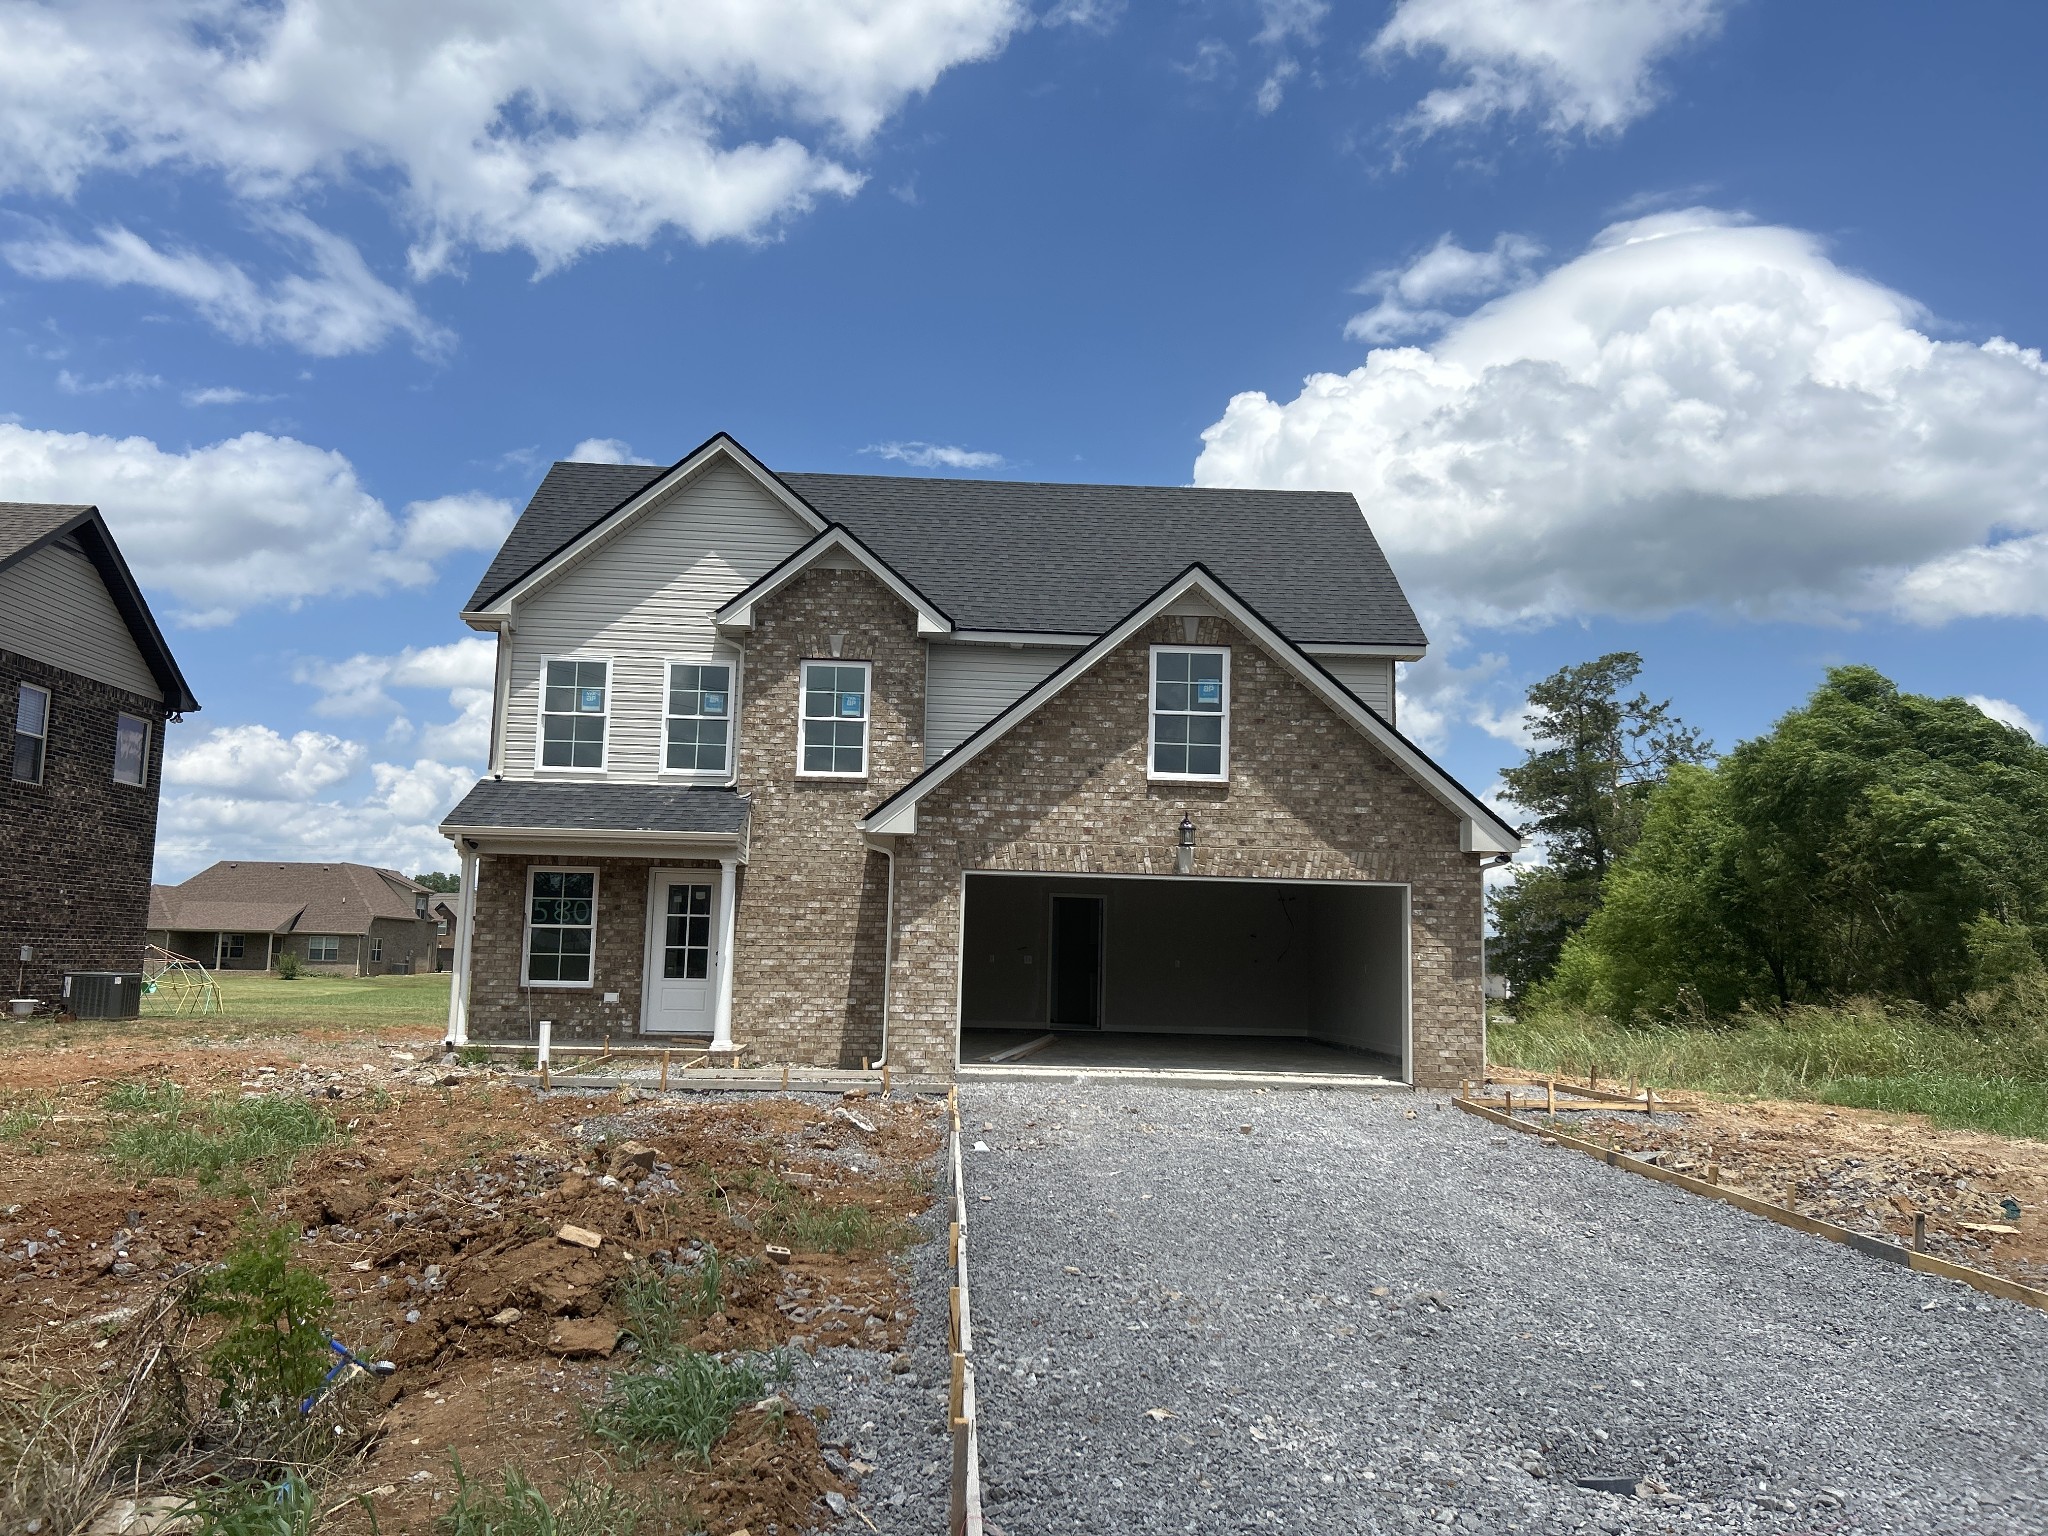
(1185, 974)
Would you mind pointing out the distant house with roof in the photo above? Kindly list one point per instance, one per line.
(343, 919)
(87, 684)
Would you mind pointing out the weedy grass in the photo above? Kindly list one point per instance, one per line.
(286, 1507)
(25, 1121)
(164, 1133)
(517, 1507)
(1863, 1053)
(661, 1300)
(686, 1400)
(805, 1222)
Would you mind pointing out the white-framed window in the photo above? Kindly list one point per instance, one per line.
(131, 749)
(1190, 737)
(31, 733)
(230, 949)
(561, 927)
(701, 712)
(323, 948)
(833, 739)
(575, 712)
(376, 949)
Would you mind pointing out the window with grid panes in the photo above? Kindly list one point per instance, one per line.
(573, 709)
(686, 947)
(561, 921)
(835, 719)
(699, 717)
(1190, 712)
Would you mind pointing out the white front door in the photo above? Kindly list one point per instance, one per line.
(682, 960)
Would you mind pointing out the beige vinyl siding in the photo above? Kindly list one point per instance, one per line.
(644, 595)
(966, 686)
(55, 609)
(1370, 679)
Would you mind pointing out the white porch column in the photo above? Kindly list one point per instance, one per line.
(458, 984)
(721, 1018)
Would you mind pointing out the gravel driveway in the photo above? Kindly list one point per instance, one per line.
(1379, 1314)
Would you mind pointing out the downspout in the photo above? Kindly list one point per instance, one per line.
(1494, 862)
(888, 948)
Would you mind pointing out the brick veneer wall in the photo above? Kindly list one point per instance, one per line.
(812, 921)
(76, 849)
(500, 1008)
(1309, 798)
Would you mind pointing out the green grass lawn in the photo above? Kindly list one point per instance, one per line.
(323, 1002)
(1861, 1055)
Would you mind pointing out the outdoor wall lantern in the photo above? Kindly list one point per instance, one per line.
(1184, 855)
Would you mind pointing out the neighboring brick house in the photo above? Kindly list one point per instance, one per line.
(341, 919)
(447, 915)
(838, 768)
(87, 684)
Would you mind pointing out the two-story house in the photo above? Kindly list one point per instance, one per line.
(844, 768)
(88, 685)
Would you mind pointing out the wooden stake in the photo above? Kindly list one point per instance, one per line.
(664, 1071)
(864, 1064)
(543, 1077)
(1550, 1097)
(885, 1079)
(785, 1077)
(1919, 1231)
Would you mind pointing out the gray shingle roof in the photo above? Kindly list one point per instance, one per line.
(573, 807)
(257, 896)
(1047, 557)
(23, 523)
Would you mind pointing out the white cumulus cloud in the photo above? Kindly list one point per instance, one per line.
(257, 762)
(1575, 66)
(553, 127)
(605, 450)
(245, 522)
(1693, 413)
(339, 307)
(935, 455)
(462, 669)
(391, 823)
(1410, 297)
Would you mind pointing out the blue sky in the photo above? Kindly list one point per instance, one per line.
(1692, 327)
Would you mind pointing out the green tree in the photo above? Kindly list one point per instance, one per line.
(433, 880)
(1874, 842)
(1587, 779)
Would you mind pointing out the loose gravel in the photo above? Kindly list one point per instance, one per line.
(1199, 1310)
(886, 1414)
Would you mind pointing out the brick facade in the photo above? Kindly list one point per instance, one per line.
(813, 909)
(1308, 798)
(75, 849)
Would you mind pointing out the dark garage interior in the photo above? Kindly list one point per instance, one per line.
(1187, 973)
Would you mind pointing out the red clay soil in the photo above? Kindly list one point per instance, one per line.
(434, 1218)
(1864, 1169)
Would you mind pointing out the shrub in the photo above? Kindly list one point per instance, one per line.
(274, 1347)
(289, 966)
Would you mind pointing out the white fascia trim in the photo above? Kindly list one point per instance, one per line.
(1391, 652)
(739, 613)
(1045, 638)
(720, 447)
(1478, 833)
(594, 835)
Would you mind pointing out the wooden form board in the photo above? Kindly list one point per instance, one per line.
(1862, 1242)
(963, 1421)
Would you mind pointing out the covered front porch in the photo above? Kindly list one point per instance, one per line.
(603, 911)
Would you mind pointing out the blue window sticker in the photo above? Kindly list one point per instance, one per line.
(849, 705)
(714, 703)
(1209, 692)
(592, 701)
